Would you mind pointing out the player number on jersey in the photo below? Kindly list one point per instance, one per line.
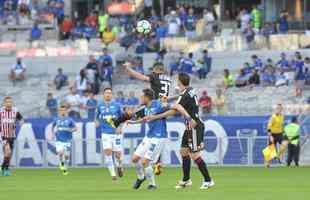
(165, 85)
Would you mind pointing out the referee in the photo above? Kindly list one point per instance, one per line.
(275, 131)
(9, 116)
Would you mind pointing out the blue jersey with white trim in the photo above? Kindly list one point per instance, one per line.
(157, 128)
(105, 111)
(63, 129)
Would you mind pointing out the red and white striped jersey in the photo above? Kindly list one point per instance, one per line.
(8, 120)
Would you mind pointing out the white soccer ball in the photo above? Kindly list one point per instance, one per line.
(144, 27)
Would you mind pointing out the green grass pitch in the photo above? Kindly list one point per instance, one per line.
(232, 183)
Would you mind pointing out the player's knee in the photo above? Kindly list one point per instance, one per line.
(108, 152)
(184, 152)
(145, 163)
(135, 159)
(118, 155)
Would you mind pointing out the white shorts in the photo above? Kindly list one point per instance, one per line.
(150, 148)
(63, 146)
(112, 141)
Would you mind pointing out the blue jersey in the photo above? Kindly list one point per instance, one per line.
(92, 104)
(190, 23)
(63, 129)
(157, 128)
(105, 111)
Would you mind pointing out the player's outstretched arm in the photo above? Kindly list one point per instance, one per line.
(135, 74)
(166, 114)
(139, 121)
(184, 113)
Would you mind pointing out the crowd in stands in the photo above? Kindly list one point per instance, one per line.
(25, 12)
(279, 73)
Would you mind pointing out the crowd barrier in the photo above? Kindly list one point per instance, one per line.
(229, 141)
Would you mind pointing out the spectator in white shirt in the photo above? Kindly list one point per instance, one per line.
(81, 82)
(18, 71)
(73, 100)
(174, 24)
(209, 20)
(245, 19)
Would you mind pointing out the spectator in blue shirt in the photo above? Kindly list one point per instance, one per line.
(283, 23)
(257, 63)
(267, 76)
(120, 98)
(174, 64)
(153, 18)
(161, 30)
(187, 64)
(35, 33)
(299, 76)
(242, 79)
(283, 64)
(190, 24)
(247, 68)
(89, 31)
(52, 105)
(106, 66)
(91, 105)
(132, 99)
(206, 65)
(60, 79)
(77, 31)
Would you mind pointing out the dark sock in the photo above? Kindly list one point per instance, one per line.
(62, 163)
(186, 166)
(6, 163)
(203, 169)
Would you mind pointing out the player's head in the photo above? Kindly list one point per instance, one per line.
(8, 102)
(159, 68)
(62, 110)
(183, 81)
(147, 96)
(279, 109)
(107, 94)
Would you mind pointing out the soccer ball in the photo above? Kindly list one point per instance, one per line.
(144, 27)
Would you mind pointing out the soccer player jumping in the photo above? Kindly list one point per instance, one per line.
(192, 140)
(9, 116)
(62, 128)
(149, 149)
(112, 139)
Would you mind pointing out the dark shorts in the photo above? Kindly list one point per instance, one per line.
(278, 138)
(9, 141)
(193, 139)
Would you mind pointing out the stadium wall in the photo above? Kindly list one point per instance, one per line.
(229, 141)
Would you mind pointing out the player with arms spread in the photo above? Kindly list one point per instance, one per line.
(112, 139)
(62, 129)
(9, 116)
(149, 149)
(192, 140)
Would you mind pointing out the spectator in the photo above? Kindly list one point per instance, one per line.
(103, 19)
(88, 32)
(206, 62)
(108, 36)
(190, 24)
(219, 102)
(77, 31)
(249, 35)
(281, 79)
(91, 105)
(268, 30)
(283, 23)
(120, 98)
(173, 65)
(18, 71)
(245, 19)
(81, 82)
(60, 79)
(92, 74)
(254, 78)
(66, 28)
(52, 105)
(106, 66)
(228, 79)
(74, 102)
(35, 33)
(139, 66)
(299, 76)
(256, 63)
(59, 10)
(148, 5)
(92, 20)
(187, 64)
(174, 24)
(241, 79)
(209, 21)
(132, 100)
(307, 76)
(283, 63)
(247, 68)
(256, 16)
(153, 18)
(267, 77)
(161, 30)
(205, 102)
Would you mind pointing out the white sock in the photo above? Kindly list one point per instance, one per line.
(150, 175)
(110, 165)
(139, 170)
(118, 162)
(66, 163)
